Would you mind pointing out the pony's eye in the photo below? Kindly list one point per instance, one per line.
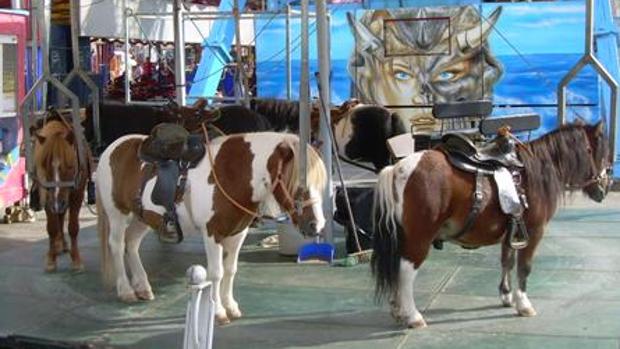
(446, 76)
(402, 76)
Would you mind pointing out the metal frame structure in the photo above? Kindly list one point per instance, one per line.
(179, 17)
(590, 58)
(40, 15)
(77, 70)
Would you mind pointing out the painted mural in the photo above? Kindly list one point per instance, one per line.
(511, 53)
(422, 56)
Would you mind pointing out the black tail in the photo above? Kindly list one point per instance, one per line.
(385, 262)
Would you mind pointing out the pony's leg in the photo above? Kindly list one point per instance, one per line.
(53, 234)
(524, 267)
(508, 263)
(232, 246)
(116, 242)
(139, 281)
(407, 312)
(74, 229)
(215, 272)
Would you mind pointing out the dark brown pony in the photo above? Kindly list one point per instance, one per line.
(423, 198)
(61, 181)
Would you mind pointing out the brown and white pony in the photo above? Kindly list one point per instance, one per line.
(423, 198)
(60, 181)
(242, 174)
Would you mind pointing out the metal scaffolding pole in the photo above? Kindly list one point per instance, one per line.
(241, 85)
(304, 96)
(288, 52)
(179, 51)
(589, 58)
(127, 13)
(77, 71)
(323, 42)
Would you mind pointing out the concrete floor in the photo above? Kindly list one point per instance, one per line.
(575, 287)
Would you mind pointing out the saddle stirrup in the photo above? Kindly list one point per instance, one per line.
(518, 237)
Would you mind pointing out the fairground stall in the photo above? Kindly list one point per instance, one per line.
(13, 36)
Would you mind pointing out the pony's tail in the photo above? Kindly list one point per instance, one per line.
(103, 229)
(385, 261)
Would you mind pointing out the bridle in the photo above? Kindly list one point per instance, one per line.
(296, 206)
(598, 178)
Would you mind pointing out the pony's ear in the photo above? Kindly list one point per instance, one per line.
(285, 152)
(579, 121)
(40, 138)
(199, 104)
(599, 127)
(70, 137)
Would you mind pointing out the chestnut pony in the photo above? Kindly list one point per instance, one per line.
(61, 181)
(422, 198)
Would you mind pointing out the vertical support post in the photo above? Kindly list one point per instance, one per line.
(304, 96)
(241, 90)
(323, 44)
(127, 13)
(16, 4)
(179, 51)
(45, 16)
(34, 55)
(288, 52)
(200, 310)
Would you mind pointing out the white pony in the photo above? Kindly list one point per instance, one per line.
(223, 194)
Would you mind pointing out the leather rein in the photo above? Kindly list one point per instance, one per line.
(296, 206)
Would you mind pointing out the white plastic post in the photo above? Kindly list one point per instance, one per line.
(200, 310)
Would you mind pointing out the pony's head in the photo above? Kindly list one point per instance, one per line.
(304, 204)
(600, 181)
(56, 164)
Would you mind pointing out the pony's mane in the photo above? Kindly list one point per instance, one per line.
(316, 173)
(558, 159)
(55, 146)
(281, 114)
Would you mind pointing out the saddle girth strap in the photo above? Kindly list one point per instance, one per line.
(477, 197)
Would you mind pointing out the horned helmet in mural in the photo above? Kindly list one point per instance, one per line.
(421, 56)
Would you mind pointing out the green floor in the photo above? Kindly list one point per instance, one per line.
(575, 287)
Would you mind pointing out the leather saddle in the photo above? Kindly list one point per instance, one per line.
(172, 151)
(465, 155)
(499, 160)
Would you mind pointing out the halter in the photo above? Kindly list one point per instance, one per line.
(63, 184)
(598, 178)
(297, 205)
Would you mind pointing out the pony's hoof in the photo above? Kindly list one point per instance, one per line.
(221, 320)
(417, 322)
(128, 298)
(234, 314)
(77, 267)
(50, 267)
(527, 312)
(146, 295)
(507, 300)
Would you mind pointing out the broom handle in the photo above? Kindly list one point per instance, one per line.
(338, 165)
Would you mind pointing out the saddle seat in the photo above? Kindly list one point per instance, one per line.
(465, 155)
(172, 150)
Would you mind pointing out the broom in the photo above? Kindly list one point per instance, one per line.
(361, 256)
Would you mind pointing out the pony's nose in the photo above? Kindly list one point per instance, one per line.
(314, 226)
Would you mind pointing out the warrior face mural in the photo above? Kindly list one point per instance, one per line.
(421, 56)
